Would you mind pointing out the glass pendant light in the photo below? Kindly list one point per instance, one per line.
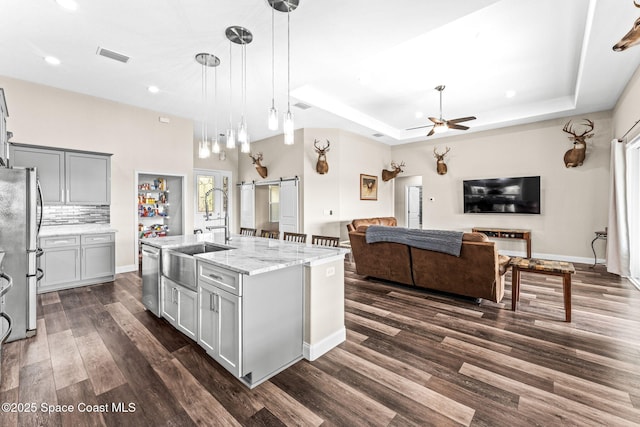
(205, 60)
(287, 6)
(241, 36)
(273, 113)
(230, 134)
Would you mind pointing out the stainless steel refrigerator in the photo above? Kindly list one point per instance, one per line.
(19, 225)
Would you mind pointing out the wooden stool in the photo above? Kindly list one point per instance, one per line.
(542, 266)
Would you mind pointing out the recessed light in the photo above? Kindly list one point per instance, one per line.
(153, 89)
(52, 60)
(68, 4)
(419, 114)
(510, 93)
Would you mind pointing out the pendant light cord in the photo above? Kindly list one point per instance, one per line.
(204, 98)
(230, 89)
(273, 66)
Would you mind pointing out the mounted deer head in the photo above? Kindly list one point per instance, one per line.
(322, 166)
(632, 38)
(575, 156)
(397, 168)
(441, 167)
(262, 170)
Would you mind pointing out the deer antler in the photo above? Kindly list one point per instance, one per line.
(257, 158)
(636, 4)
(438, 155)
(568, 128)
(318, 149)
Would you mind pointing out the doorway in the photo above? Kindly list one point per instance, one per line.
(414, 206)
(212, 203)
(407, 204)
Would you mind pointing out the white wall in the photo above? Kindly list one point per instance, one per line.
(42, 115)
(574, 200)
(627, 110)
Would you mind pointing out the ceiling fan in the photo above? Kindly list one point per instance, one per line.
(441, 125)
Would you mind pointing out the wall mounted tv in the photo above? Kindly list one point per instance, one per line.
(520, 195)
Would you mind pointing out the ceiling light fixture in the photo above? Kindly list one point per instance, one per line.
(273, 112)
(206, 60)
(241, 36)
(153, 89)
(52, 60)
(287, 6)
(68, 4)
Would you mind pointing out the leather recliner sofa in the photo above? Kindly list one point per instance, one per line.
(477, 273)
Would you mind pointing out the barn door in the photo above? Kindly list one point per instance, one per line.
(247, 206)
(289, 206)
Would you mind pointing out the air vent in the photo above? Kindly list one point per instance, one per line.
(378, 135)
(112, 55)
(302, 106)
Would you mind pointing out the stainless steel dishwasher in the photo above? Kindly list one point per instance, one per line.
(151, 259)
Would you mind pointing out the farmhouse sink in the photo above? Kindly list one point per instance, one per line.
(179, 265)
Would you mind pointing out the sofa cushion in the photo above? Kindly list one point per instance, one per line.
(474, 237)
(503, 263)
(362, 223)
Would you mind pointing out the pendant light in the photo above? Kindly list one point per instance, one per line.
(273, 112)
(241, 36)
(287, 6)
(231, 136)
(205, 60)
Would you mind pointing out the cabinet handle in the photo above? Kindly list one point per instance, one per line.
(212, 302)
(216, 277)
(173, 295)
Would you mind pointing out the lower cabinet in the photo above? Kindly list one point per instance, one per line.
(76, 260)
(219, 326)
(180, 307)
(252, 325)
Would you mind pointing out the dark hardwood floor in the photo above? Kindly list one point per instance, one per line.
(411, 358)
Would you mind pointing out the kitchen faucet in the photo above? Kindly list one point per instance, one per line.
(207, 215)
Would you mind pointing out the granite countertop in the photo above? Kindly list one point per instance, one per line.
(250, 255)
(63, 230)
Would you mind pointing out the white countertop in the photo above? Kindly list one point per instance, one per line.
(63, 230)
(250, 255)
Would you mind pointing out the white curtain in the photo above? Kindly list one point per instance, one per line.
(633, 208)
(618, 228)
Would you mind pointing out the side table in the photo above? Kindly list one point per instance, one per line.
(542, 266)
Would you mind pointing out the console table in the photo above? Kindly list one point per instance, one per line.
(507, 233)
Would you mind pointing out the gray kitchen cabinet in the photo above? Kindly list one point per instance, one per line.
(60, 262)
(219, 326)
(67, 176)
(98, 256)
(252, 325)
(49, 165)
(87, 178)
(180, 307)
(76, 260)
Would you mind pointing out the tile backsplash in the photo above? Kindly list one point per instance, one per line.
(75, 214)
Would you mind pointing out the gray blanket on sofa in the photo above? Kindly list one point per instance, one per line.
(449, 242)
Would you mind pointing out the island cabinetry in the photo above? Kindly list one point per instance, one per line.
(76, 260)
(67, 176)
(251, 324)
(180, 307)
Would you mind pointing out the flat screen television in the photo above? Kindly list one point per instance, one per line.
(520, 195)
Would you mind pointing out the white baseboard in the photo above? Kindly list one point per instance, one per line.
(312, 352)
(126, 268)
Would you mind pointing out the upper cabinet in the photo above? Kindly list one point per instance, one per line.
(67, 177)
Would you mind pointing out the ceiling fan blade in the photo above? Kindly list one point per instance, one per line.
(461, 119)
(420, 127)
(434, 120)
(431, 132)
(455, 126)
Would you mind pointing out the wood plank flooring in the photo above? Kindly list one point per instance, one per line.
(412, 358)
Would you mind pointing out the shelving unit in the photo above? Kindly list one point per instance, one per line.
(153, 208)
(507, 233)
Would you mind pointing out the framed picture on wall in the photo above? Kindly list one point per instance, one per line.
(368, 187)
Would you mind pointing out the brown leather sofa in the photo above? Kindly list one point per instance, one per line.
(477, 273)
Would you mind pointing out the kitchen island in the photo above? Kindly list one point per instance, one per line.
(255, 305)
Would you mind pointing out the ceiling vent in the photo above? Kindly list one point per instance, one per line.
(302, 106)
(378, 135)
(112, 55)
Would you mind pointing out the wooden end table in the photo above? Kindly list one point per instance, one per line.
(542, 266)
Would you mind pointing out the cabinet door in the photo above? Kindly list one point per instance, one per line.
(49, 166)
(219, 334)
(60, 266)
(187, 320)
(98, 261)
(88, 178)
(169, 300)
